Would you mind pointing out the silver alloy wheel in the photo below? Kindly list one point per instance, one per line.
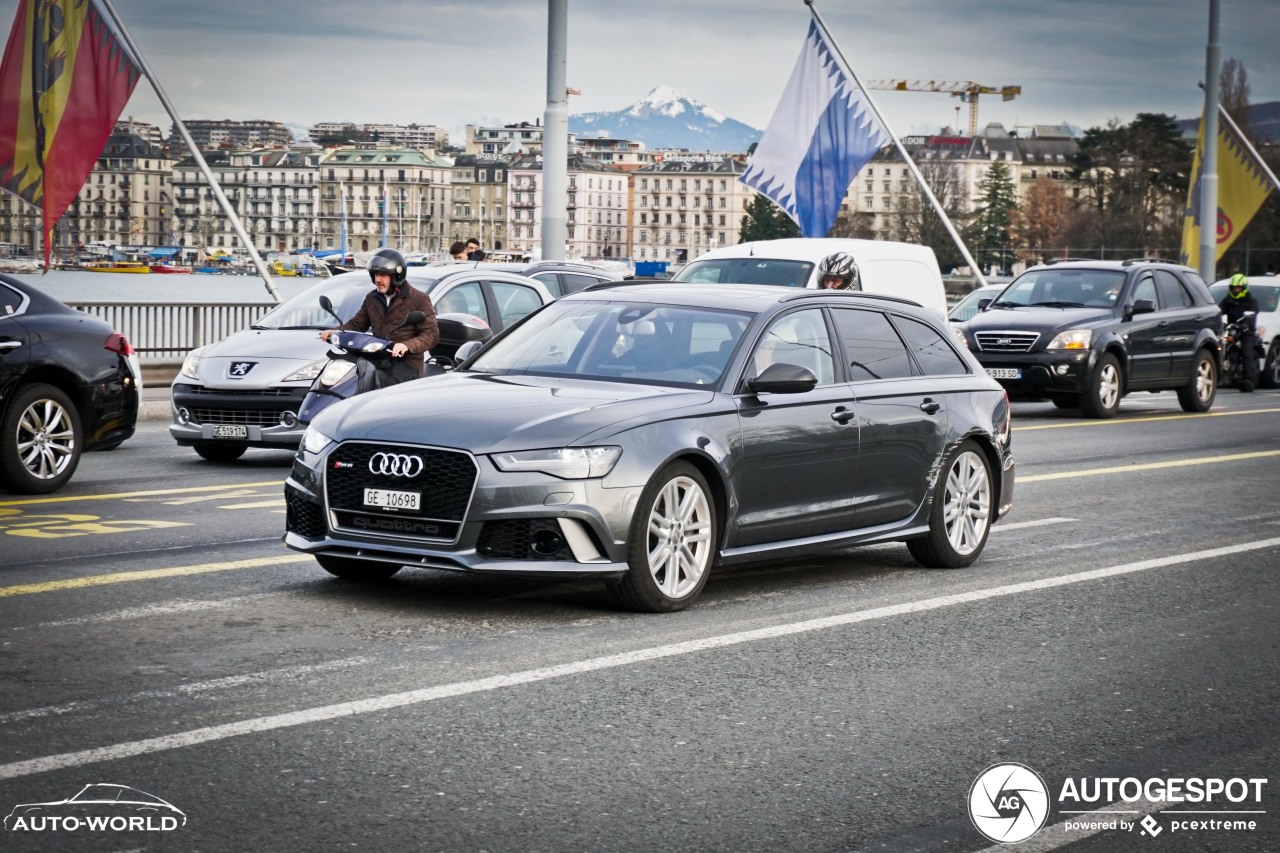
(46, 439)
(680, 546)
(1205, 381)
(1109, 386)
(966, 509)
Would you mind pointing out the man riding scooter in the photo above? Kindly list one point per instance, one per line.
(385, 310)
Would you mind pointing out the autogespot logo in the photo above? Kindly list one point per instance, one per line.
(1008, 803)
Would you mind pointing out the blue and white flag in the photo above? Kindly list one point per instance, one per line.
(820, 135)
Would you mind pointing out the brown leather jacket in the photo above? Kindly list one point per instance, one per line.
(379, 320)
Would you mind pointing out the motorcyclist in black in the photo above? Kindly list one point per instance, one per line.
(1235, 304)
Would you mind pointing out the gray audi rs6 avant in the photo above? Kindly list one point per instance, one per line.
(641, 434)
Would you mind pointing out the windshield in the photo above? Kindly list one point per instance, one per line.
(748, 271)
(1063, 288)
(1268, 297)
(346, 292)
(620, 341)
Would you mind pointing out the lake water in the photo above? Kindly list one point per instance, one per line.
(77, 285)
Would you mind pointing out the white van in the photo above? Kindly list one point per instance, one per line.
(905, 270)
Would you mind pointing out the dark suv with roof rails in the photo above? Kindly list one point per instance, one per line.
(1084, 333)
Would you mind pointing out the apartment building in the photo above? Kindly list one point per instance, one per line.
(596, 225)
(209, 134)
(127, 199)
(478, 191)
(404, 135)
(508, 140)
(685, 205)
(384, 196)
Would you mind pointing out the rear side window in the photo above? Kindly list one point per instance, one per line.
(1172, 292)
(573, 282)
(552, 281)
(872, 349)
(11, 300)
(934, 355)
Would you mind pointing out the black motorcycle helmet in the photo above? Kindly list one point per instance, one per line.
(391, 262)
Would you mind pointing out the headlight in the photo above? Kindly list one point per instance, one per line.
(191, 364)
(570, 463)
(959, 335)
(335, 371)
(313, 440)
(373, 346)
(308, 373)
(1072, 339)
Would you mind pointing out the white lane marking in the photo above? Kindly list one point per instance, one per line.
(1018, 525)
(192, 737)
(188, 689)
(164, 608)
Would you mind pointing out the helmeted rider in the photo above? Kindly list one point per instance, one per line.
(388, 305)
(839, 271)
(1235, 305)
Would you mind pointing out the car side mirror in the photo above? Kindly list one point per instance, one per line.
(1140, 306)
(783, 378)
(983, 303)
(467, 350)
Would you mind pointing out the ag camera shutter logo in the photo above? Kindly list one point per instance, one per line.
(1008, 803)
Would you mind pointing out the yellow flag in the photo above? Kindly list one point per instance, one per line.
(1242, 188)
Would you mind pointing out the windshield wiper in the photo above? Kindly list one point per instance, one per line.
(1057, 305)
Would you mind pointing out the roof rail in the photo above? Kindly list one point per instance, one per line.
(814, 292)
(1053, 261)
(1128, 262)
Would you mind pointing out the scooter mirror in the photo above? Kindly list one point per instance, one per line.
(327, 304)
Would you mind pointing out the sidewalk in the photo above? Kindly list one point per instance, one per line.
(157, 376)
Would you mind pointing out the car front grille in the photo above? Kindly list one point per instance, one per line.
(248, 417)
(301, 516)
(238, 392)
(445, 480)
(1006, 341)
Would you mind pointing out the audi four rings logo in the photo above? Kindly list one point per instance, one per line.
(396, 464)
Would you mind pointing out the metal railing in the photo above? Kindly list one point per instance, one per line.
(164, 330)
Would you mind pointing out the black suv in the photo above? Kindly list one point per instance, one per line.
(1085, 333)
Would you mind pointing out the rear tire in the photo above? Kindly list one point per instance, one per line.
(960, 517)
(365, 571)
(220, 452)
(40, 440)
(673, 541)
(1106, 386)
(1197, 395)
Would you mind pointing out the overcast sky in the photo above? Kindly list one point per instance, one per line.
(484, 61)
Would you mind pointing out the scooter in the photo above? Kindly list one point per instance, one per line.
(1233, 372)
(360, 362)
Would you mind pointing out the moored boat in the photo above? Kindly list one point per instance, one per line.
(119, 266)
(168, 268)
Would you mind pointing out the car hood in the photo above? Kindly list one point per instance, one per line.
(488, 414)
(275, 353)
(1039, 319)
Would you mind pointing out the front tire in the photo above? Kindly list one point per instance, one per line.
(40, 440)
(1197, 395)
(672, 542)
(1106, 387)
(1270, 377)
(365, 571)
(220, 452)
(960, 517)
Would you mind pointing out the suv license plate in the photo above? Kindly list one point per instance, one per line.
(1004, 373)
(224, 431)
(389, 499)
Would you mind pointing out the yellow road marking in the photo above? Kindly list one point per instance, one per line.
(258, 505)
(125, 495)
(149, 574)
(1147, 466)
(1119, 421)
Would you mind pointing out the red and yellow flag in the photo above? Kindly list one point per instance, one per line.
(65, 78)
(1242, 188)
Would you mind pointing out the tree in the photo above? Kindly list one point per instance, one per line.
(988, 232)
(1039, 225)
(1135, 179)
(918, 222)
(764, 220)
(1233, 93)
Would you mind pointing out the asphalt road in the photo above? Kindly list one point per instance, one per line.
(155, 634)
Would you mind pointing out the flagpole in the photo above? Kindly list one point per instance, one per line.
(195, 151)
(924, 187)
(1209, 154)
(1262, 164)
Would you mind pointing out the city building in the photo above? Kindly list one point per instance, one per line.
(625, 154)
(507, 140)
(596, 225)
(479, 201)
(127, 199)
(209, 134)
(685, 205)
(406, 135)
(384, 196)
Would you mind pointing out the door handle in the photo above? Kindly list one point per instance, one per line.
(930, 406)
(842, 415)
(10, 344)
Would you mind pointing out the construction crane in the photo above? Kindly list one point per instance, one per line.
(966, 92)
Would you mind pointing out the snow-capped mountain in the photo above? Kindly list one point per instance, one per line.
(666, 119)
